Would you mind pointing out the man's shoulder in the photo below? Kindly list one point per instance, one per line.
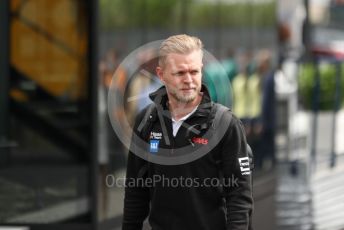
(144, 117)
(148, 109)
(226, 114)
(221, 109)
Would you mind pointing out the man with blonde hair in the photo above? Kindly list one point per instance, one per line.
(207, 192)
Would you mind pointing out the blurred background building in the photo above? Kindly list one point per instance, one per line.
(282, 61)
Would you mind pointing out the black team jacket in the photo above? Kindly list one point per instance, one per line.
(213, 192)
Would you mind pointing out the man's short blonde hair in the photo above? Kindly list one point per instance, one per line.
(180, 44)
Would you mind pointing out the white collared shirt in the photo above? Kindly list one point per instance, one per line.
(177, 124)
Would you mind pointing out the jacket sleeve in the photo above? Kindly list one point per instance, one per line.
(236, 169)
(136, 198)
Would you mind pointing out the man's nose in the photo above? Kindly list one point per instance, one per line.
(187, 78)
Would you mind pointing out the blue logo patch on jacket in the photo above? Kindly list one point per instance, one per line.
(154, 146)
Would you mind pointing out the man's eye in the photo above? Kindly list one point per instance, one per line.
(181, 73)
(194, 72)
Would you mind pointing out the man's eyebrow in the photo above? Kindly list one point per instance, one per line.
(179, 71)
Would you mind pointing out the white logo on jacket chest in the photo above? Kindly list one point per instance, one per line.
(156, 136)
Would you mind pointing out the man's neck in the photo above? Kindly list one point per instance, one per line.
(180, 109)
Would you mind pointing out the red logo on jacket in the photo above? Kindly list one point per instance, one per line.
(200, 140)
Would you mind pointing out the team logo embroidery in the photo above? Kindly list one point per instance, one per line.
(244, 163)
(200, 140)
(154, 146)
(156, 136)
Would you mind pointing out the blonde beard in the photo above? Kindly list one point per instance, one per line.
(182, 98)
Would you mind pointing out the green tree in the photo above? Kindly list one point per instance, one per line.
(115, 14)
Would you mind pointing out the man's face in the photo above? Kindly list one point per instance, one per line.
(182, 76)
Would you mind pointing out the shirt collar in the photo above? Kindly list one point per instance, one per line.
(186, 116)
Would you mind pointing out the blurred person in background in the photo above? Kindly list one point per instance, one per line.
(112, 75)
(142, 83)
(230, 65)
(111, 152)
(268, 107)
(218, 84)
(218, 76)
(264, 127)
(247, 93)
(239, 93)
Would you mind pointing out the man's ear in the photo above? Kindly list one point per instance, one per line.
(160, 74)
